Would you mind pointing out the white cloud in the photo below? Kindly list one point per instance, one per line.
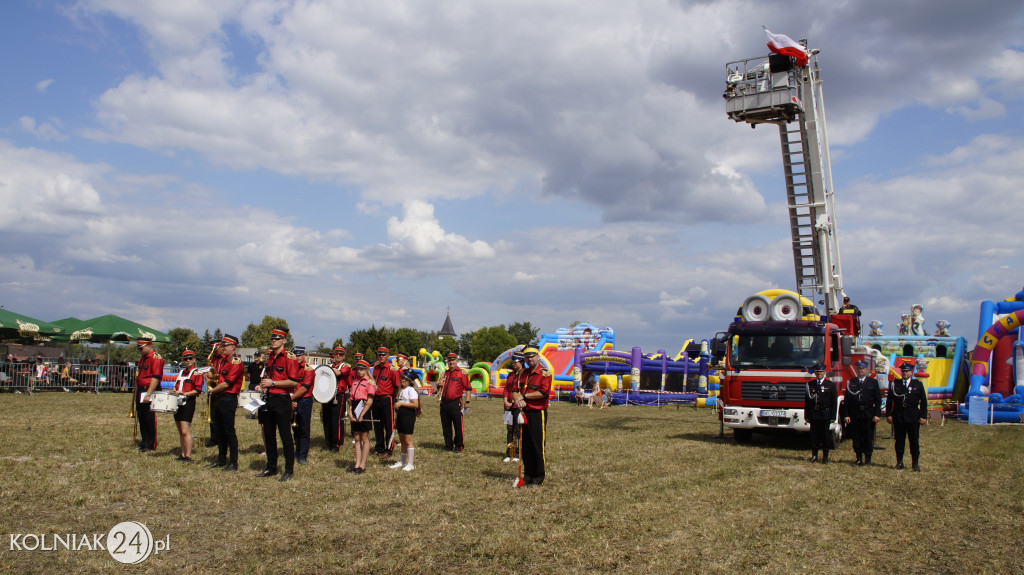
(48, 131)
(419, 235)
(42, 85)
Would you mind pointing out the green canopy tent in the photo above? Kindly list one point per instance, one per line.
(108, 329)
(17, 327)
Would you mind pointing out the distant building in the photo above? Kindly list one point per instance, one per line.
(447, 329)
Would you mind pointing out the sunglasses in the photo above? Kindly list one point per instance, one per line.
(275, 337)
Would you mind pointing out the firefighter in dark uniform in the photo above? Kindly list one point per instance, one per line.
(532, 397)
(454, 398)
(151, 372)
(224, 381)
(820, 411)
(906, 408)
(283, 375)
(861, 410)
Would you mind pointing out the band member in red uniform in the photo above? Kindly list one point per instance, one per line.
(454, 398)
(532, 398)
(282, 377)
(188, 385)
(331, 413)
(302, 404)
(224, 381)
(388, 381)
(511, 414)
(362, 390)
(151, 371)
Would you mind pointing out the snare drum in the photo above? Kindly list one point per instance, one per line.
(163, 402)
(248, 400)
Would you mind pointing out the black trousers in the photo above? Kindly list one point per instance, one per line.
(534, 440)
(512, 433)
(147, 421)
(222, 421)
(383, 410)
(334, 430)
(904, 432)
(276, 417)
(305, 409)
(819, 434)
(451, 425)
(863, 433)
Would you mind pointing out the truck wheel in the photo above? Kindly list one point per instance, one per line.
(742, 435)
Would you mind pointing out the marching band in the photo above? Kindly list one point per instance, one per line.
(282, 388)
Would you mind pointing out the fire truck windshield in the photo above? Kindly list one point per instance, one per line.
(782, 350)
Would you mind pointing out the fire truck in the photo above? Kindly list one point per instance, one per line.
(779, 335)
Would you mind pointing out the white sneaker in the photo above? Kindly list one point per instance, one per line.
(506, 460)
(515, 459)
(397, 464)
(409, 467)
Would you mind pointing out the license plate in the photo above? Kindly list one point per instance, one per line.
(773, 413)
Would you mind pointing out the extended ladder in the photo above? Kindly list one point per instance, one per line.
(769, 90)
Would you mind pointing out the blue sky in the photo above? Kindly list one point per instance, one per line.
(340, 164)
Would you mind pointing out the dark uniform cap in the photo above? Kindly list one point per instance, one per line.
(819, 367)
(862, 364)
(518, 356)
(299, 350)
(906, 367)
(229, 340)
(410, 374)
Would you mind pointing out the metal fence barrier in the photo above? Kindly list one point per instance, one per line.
(28, 377)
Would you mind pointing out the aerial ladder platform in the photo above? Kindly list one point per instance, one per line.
(773, 89)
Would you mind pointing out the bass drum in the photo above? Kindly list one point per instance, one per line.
(325, 384)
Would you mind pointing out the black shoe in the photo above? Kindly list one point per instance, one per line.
(230, 467)
(209, 444)
(301, 460)
(360, 470)
(899, 465)
(285, 476)
(917, 468)
(351, 469)
(266, 473)
(867, 460)
(824, 460)
(812, 458)
(145, 449)
(859, 463)
(185, 459)
(216, 464)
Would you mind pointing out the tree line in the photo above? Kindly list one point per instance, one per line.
(484, 344)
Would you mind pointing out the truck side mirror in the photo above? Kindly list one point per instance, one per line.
(847, 345)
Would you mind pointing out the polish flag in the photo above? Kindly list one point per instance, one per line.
(782, 44)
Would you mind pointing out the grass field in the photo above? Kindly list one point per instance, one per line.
(628, 490)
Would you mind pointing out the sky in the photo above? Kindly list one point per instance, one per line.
(344, 164)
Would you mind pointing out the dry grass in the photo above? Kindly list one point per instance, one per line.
(629, 490)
